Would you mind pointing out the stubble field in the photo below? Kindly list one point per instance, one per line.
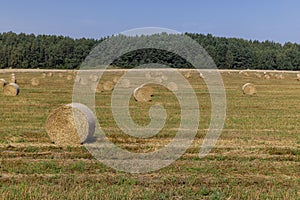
(256, 157)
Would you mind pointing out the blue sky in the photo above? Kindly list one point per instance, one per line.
(277, 20)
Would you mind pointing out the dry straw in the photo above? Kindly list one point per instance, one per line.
(108, 86)
(143, 93)
(2, 83)
(11, 89)
(71, 124)
(249, 89)
(35, 82)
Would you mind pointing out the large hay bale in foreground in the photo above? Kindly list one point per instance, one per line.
(11, 89)
(2, 83)
(108, 86)
(71, 124)
(143, 93)
(249, 89)
(35, 82)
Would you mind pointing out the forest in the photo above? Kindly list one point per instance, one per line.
(61, 52)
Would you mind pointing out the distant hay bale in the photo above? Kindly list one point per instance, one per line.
(77, 79)
(116, 79)
(83, 81)
(60, 75)
(298, 77)
(143, 93)
(266, 76)
(12, 78)
(35, 82)
(108, 86)
(172, 86)
(12, 89)
(158, 80)
(164, 78)
(2, 83)
(94, 77)
(258, 75)
(49, 74)
(44, 75)
(71, 124)
(148, 75)
(124, 83)
(99, 88)
(188, 74)
(249, 89)
(69, 77)
(202, 76)
(279, 76)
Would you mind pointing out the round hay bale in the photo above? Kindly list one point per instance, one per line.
(83, 81)
(143, 93)
(298, 77)
(164, 78)
(172, 86)
(116, 79)
(148, 75)
(249, 89)
(108, 86)
(35, 82)
(77, 79)
(93, 77)
(258, 75)
(11, 89)
(69, 77)
(266, 76)
(71, 124)
(50, 74)
(188, 74)
(2, 83)
(12, 78)
(44, 75)
(60, 75)
(99, 88)
(124, 83)
(279, 76)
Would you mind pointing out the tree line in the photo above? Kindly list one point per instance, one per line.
(60, 52)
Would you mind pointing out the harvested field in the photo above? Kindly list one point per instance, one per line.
(256, 157)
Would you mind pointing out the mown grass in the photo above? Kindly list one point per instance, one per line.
(256, 157)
